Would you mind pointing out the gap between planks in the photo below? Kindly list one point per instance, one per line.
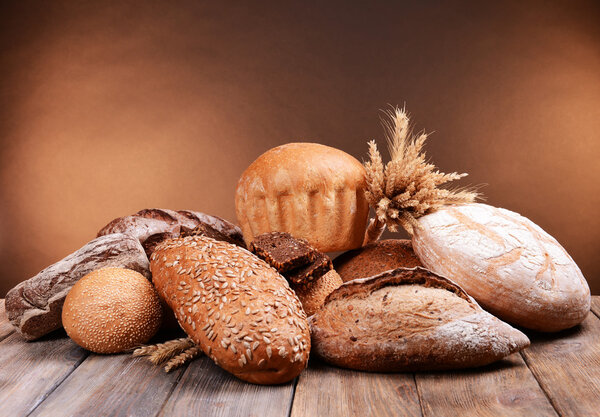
(566, 365)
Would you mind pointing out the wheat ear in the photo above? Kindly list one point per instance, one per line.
(182, 358)
(163, 352)
(407, 187)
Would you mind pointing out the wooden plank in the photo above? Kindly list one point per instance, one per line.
(206, 390)
(323, 390)
(5, 327)
(115, 385)
(567, 366)
(596, 305)
(505, 388)
(29, 371)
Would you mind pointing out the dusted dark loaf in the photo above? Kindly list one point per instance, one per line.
(152, 226)
(34, 306)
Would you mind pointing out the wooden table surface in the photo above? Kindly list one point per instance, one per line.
(558, 374)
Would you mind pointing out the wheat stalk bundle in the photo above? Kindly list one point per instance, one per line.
(408, 186)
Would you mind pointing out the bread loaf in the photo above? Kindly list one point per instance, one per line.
(34, 306)
(512, 267)
(374, 258)
(111, 310)
(312, 295)
(311, 191)
(408, 320)
(152, 226)
(238, 309)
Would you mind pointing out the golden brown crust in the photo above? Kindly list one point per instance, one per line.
(312, 191)
(240, 311)
(313, 294)
(375, 258)
(111, 310)
(408, 320)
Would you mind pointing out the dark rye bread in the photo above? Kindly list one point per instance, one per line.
(34, 306)
(310, 272)
(408, 320)
(375, 258)
(152, 226)
(282, 251)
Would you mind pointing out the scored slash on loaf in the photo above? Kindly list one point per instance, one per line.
(238, 309)
(512, 267)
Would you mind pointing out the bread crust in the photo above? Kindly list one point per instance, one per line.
(111, 310)
(309, 190)
(375, 258)
(237, 308)
(312, 295)
(408, 320)
(152, 226)
(34, 306)
(512, 267)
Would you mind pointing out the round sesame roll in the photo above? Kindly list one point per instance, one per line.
(238, 309)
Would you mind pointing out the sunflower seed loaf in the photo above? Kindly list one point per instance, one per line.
(238, 309)
(408, 320)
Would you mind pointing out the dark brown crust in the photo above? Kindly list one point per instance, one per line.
(398, 276)
(311, 272)
(34, 306)
(282, 251)
(204, 229)
(375, 258)
(152, 226)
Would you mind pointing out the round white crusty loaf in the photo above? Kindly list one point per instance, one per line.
(407, 320)
(309, 190)
(512, 267)
(238, 309)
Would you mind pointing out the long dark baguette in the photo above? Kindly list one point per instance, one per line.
(34, 306)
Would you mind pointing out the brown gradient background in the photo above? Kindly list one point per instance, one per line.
(109, 108)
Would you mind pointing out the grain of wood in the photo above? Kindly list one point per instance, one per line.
(506, 388)
(207, 390)
(30, 371)
(115, 385)
(596, 305)
(328, 391)
(567, 366)
(5, 327)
